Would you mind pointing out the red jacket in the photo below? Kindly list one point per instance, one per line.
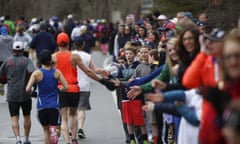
(205, 72)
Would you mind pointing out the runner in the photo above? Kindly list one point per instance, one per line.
(83, 83)
(17, 70)
(6, 42)
(48, 99)
(42, 40)
(66, 62)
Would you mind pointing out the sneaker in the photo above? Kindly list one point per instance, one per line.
(132, 142)
(19, 142)
(81, 134)
(27, 142)
(145, 142)
(74, 141)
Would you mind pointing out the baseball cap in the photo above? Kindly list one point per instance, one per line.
(78, 40)
(4, 31)
(18, 45)
(215, 35)
(188, 14)
(62, 38)
(2, 18)
(70, 16)
(199, 23)
(34, 20)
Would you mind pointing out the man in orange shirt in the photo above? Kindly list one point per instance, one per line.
(66, 62)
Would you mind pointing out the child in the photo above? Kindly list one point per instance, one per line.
(131, 117)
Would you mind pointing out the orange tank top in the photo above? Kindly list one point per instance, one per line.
(68, 70)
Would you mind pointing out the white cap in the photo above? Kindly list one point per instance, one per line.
(83, 28)
(162, 17)
(69, 16)
(34, 20)
(2, 18)
(18, 45)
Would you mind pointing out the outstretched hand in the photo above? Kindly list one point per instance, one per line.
(108, 83)
(134, 92)
(105, 73)
(157, 84)
(155, 97)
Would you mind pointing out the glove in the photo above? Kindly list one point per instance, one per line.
(34, 92)
(109, 85)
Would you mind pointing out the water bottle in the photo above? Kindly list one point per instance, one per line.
(53, 135)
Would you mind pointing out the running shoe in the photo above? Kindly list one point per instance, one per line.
(27, 142)
(81, 134)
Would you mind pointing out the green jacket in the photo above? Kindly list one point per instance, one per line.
(11, 26)
(164, 76)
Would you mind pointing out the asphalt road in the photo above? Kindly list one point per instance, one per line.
(103, 124)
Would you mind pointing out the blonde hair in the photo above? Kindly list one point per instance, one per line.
(173, 41)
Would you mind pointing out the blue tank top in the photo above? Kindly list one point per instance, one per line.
(48, 90)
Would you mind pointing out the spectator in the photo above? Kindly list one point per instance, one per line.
(180, 15)
(231, 120)
(130, 20)
(162, 19)
(231, 71)
(207, 61)
(203, 17)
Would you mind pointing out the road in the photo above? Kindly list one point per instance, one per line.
(103, 124)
